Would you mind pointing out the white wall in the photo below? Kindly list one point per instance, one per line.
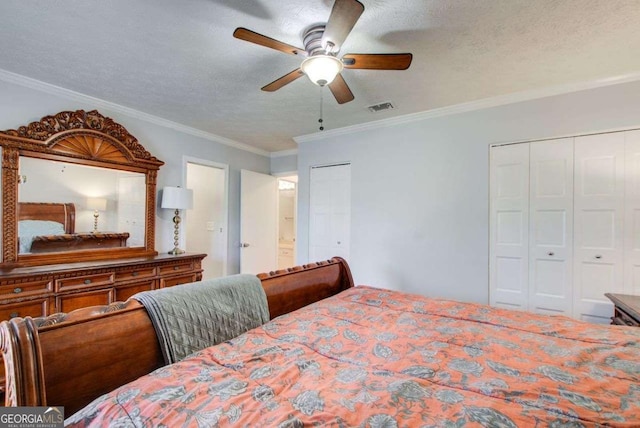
(419, 214)
(284, 163)
(20, 105)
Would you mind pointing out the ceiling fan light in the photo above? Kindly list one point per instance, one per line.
(321, 69)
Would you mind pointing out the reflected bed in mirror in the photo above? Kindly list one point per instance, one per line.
(49, 228)
(65, 207)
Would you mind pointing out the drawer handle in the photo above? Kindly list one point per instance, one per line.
(14, 315)
(175, 268)
(17, 290)
(135, 273)
(87, 281)
(598, 256)
(550, 253)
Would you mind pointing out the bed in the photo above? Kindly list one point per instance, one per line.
(334, 355)
(45, 227)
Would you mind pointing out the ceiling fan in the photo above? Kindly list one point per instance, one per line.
(321, 45)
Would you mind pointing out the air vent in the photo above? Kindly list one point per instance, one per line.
(380, 107)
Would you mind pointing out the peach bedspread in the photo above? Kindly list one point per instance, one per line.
(377, 358)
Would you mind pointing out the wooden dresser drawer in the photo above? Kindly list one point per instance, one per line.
(32, 308)
(24, 289)
(176, 268)
(123, 292)
(69, 302)
(135, 274)
(177, 280)
(84, 281)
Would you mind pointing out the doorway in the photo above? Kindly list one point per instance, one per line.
(268, 206)
(206, 225)
(287, 209)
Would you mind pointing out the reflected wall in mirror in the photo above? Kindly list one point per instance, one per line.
(76, 186)
(109, 206)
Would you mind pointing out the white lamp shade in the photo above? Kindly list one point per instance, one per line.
(97, 204)
(321, 69)
(177, 198)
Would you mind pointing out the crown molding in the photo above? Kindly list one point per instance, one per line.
(470, 106)
(283, 153)
(28, 82)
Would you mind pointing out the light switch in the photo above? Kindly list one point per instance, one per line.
(210, 226)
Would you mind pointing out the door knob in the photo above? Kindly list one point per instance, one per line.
(244, 244)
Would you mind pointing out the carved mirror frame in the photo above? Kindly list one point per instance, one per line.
(84, 138)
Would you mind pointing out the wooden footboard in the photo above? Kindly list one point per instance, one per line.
(70, 359)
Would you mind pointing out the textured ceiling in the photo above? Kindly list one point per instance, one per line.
(178, 60)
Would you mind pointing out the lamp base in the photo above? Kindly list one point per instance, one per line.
(176, 234)
(96, 214)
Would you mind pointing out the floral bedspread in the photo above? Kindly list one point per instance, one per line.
(377, 358)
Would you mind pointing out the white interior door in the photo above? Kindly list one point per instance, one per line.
(598, 224)
(632, 213)
(258, 222)
(551, 226)
(329, 212)
(206, 225)
(509, 218)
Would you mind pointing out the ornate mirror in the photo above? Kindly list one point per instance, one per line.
(76, 186)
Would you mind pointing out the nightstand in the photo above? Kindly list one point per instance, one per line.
(627, 309)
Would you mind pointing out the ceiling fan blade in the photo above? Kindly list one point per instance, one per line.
(284, 80)
(259, 39)
(378, 61)
(340, 90)
(344, 15)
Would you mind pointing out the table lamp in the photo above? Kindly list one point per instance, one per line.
(97, 205)
(176, 198)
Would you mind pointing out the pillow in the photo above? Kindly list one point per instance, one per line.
(28, 229)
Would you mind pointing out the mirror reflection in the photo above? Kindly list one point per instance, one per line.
(66, 207)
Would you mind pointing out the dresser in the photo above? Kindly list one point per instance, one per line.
(43, 290)
(626, 309)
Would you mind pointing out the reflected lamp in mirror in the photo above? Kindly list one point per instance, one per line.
(177, 198)
(97, 205)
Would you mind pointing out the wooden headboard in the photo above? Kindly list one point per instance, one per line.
(70, 359)
(63, 213)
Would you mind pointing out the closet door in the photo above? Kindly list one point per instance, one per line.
(632, 213)
(329, 212)
(551, 227)
(598, 224)
(509, 226)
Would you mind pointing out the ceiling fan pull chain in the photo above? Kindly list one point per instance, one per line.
(321, 105)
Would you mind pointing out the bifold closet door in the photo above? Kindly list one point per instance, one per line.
(509, 226)
(632, 213)
(598, 224)
(551, 226)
